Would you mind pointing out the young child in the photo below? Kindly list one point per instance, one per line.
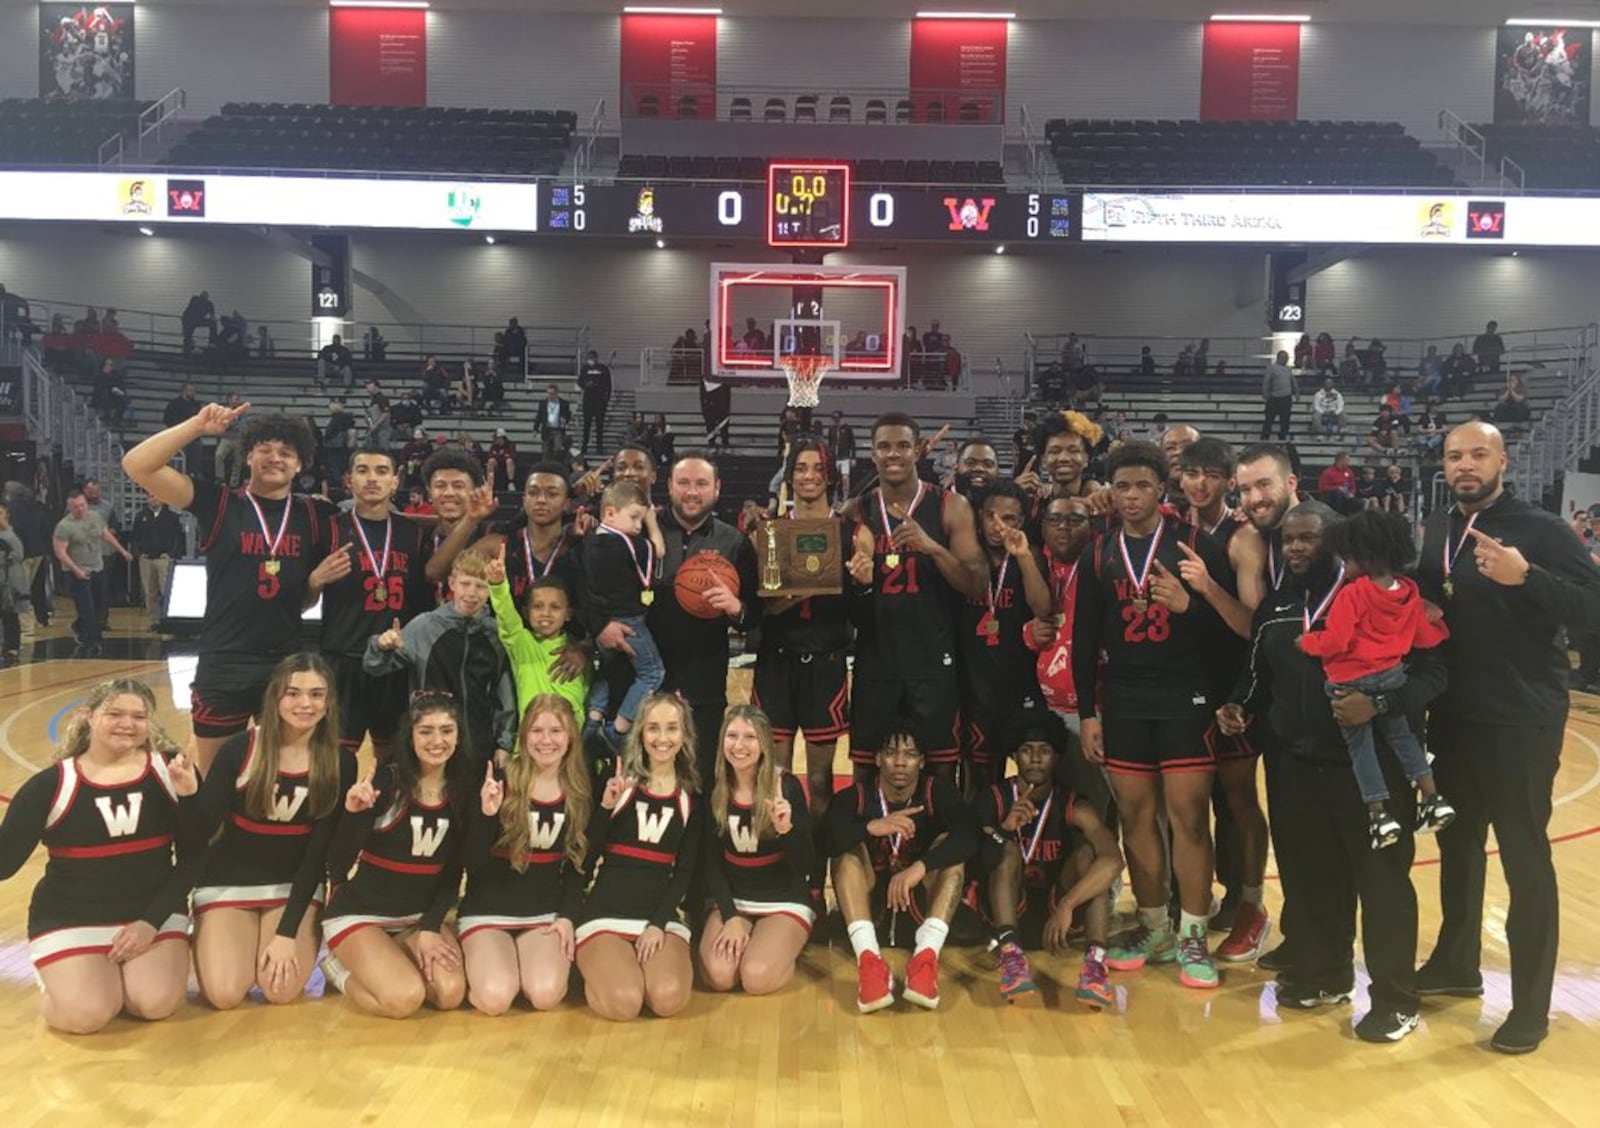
(621, 567)
(537, 646)
(455, 650)
(1375, 620)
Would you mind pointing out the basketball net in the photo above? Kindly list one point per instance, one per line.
(804, 372)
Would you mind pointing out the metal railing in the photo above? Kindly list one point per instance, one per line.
(925, 371)
(1037, 159)
(1474, 146)
(844, 105)
(113, 150)
(59, 420)
(583, 151)
(1558, 440)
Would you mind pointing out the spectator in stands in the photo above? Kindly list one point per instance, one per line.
(337, 439)
(473, 448)
(1202, 356)
(1323, 357)
(467, 388)
(1183, 367)
(514, 349)
(373, 346)
(716, 409)
(1277, 389)
(435, 386)
(1392, 494)
(502, 459)
(1350, 374)
(89, 324)
(640, 432)
(1369, 490)
(1488, 348)
(417, 503)
(1021, 441)
(1086, 388)
(1072, 358)
(15, 319)
(1302, 351)
(842, 446)
(687, 359)
(416, 452)
(554, 421)
(1327, 407)
(594, 380)
(108, 397)
(1221, 369)
(1374, 364)
(493, 389)
(754, 340)
(1147, 362)
(1399, 405)
(199, 312)
(181, 408)
(1385, 434)
(1458, 372)
(665, 444)
(789, 429)
(1512, 407)
(1430, 372)
(943, 361)
(336, 360)
(232, 333)
(910, 346)
(265, 348)
(1336, 486)
(227, 461)
(405, 413)
(109, 322)
(1431, 426)
(380, 420)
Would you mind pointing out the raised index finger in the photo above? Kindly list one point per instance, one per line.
(1485, 541)
(1187, 551)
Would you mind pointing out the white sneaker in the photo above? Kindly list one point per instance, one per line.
(334, 972)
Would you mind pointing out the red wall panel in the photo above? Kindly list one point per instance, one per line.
(377, 57)
(668, 58)
(955, 61)
(1250, 72)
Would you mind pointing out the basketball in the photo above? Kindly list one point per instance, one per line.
(698, 573)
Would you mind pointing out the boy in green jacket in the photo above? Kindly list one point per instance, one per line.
(534, 652)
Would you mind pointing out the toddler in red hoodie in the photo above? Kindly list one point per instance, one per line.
(1374, 618)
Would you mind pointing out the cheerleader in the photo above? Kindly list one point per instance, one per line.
(107, 931)
(759, 859)
(525, 864)
(389, 948)
(276, 793)
(633, 946)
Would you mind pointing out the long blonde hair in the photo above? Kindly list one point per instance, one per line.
(768, 779)
(521, 772)
(75, 736)
(261, 786)
(635, 765)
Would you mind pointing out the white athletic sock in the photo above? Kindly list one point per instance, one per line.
(1252, 895)
(334, 972)
(1186, 921)
(863, 937)
(1156, 919)
(932, 934)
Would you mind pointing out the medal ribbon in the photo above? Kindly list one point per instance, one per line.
(1142, 578)
(535, 574)
(1032, 847)
(273, 543)
(1466, 535)
(378, 569)
(999, 584)
(1311, 616)
(644, 573)
(1063, 587)
(1274, 570)
(894, 840)
(883, 508)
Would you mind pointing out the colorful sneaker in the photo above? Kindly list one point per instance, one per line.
(874, 984)
(1195, 966)
(1140, 947)
(1252, 928)
(1094, 986)
(1436, 814)
(922, 979)
(1016, 977)
(1384, 828)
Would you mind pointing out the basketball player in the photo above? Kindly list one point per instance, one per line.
(462, 499)
(539, 543)
(373, 576)
(695, 650)
(916, 549)
(1037, 870)
(899, 844)
(261, 542)
(107, 929)
(1064, 447)
(1206, 474)
(1511, 579)
(801, 675)
(1157, 635)
(997, 668)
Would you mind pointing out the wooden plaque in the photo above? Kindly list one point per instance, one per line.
(799, 557)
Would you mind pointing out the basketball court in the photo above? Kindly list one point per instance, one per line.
(803, 1056)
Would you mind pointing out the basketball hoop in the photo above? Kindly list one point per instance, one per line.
(804, 372)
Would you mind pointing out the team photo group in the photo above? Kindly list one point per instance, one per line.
(502, 771)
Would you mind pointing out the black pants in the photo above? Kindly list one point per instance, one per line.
(1327, 864)
(89, 597)
(707, 728)
(1588, 647)
(1281, 408)
(1500, 777)
(10, 632)
(39, 593)
(594, 413)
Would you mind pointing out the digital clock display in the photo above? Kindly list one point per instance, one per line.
(808, 205)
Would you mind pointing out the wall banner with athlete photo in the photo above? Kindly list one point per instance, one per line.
(86, 51)
(1541, 76)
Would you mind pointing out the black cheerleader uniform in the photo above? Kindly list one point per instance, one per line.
(118, 854)
(648, 845)
(408, 865)
(752, 877)
(548, 889)
(277, 862)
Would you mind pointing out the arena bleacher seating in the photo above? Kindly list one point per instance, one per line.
(36, 131)
(869, 171)
(392, 138)
(1288, 153)
(1552, 156)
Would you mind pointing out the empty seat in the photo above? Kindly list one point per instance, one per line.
(934, 112)
(839, 110)
(903, 112)
(877, 112)
(740, 110)
(776, 110)
(688, 107)
(650, 106)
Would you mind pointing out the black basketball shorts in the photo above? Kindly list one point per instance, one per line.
(930, 707)
(807, 693)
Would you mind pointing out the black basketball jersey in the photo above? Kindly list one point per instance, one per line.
(1229, 650)
(525, 566)
(1156, 660)
(651, 844)
(382, 584)
(548, 884)
(943, 812)
(998, 671)
(259, 556)
(1044, 841)
(818, 625)
(909, 630)
(744, 867)
(111, 848)
(407, 857)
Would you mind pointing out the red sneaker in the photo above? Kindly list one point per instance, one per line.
(874, 984)
(922, 979)
(1252, 927)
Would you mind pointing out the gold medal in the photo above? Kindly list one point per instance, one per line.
(1061, 620)
(1141, 605)
(273, 566)
(991, 628)
(892, 559)
(647, 597)
(1449, 589)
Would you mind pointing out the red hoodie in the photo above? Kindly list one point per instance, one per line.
(1370, 630)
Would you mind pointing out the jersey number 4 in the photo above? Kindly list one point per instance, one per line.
(1149, 625)
(385, 596)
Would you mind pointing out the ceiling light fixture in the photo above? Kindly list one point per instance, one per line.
(1548, 21)
(377, 3)
(669, 10)
(1240, 17)
(966, 15)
